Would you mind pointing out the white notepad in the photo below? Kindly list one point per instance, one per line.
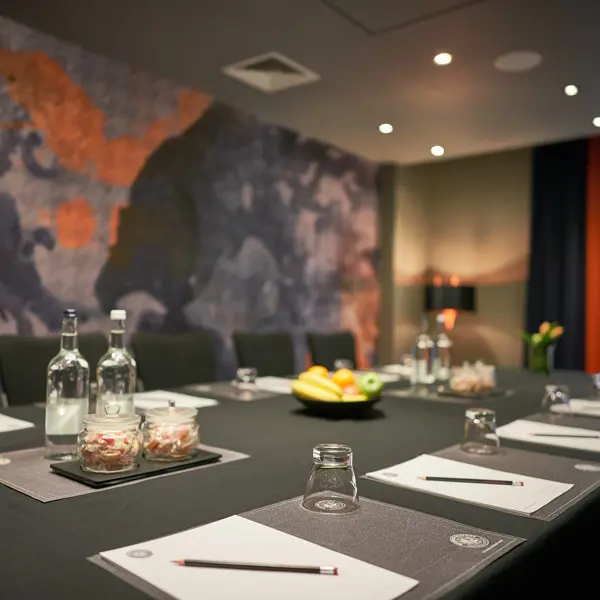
(522, 431)
(12, 424)
(277, 385)
(236, 539)
(578, 407)
(146, 400)
(527, 499)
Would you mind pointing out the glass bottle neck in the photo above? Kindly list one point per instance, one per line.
(117, 334)
(68, 338)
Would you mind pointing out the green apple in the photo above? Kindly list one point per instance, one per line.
(370, 384)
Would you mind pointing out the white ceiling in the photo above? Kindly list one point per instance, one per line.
(375, 62)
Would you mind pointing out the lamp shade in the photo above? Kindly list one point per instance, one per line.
(444, 297)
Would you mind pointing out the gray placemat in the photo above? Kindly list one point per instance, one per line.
(28, 472)
(430, 395)
(224, 389)
(438, 553)
(584, 475)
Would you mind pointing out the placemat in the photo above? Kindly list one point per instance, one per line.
(428, 395)
(28, 472)
(439, 553)
(584, 475)
(224, 389)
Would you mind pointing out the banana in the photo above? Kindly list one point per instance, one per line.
(354, 398)
(321, 382)
(303, 389)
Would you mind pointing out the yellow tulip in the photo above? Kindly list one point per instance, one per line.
(536, 338)
(557, 332)
(545, 328)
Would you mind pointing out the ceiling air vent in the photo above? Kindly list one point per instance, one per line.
(271, 72)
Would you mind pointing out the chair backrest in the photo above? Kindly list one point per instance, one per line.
(174, 360)
(269, 353)
(24, 361)
(326, 348)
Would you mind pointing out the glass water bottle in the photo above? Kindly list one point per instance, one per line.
(442, 361)
(116, 371)
(67, 393)
(423, 361)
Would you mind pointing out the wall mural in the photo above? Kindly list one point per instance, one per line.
(118, 189)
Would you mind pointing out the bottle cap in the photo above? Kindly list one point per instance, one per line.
(69, 312)
(119, 315)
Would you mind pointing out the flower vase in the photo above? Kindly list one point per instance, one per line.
(541, 359)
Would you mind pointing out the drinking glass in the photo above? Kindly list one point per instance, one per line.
(343, 363)
(331, 487)
(245, 378)
(595, 394)
(556, 399)
(480, 432)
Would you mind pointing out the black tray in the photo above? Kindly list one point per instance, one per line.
(146, 468)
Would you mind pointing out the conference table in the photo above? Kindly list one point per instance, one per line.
(44, 546)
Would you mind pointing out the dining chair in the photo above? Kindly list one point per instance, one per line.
(270, 353)
(326, 348)
(24, 362)
(174, 360)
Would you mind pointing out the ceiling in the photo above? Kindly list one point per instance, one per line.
(375, 62)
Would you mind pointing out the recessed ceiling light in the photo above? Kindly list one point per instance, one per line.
(437, 150)
(571, 90)
(518, 62)
(386, 128)
(596, 121)
(442, 59)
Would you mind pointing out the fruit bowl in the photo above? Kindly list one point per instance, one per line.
(342, 394)
(333, 408)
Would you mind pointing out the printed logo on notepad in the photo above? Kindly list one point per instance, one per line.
(586, 467)
(467, 540)
(139, 553)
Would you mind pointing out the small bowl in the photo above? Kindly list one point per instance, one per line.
(337, 408)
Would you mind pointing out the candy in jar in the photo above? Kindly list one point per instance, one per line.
(109, 443)
(170, 433)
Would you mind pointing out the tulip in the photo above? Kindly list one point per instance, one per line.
(557, 332)
(536, 338)
(545, 328)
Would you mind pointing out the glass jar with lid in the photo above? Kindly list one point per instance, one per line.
(109, 443)
(170, 433)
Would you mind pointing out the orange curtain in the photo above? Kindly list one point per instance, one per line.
(592, 317)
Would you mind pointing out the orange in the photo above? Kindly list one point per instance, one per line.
(321, 371)
(344, 377)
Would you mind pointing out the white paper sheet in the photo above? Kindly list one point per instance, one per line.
(526, 499)
(522, 430)
(236, 539)
(584, 408)
(146, 400)
(400, 370)
(277, 385)
(12, 424)
(385, 377)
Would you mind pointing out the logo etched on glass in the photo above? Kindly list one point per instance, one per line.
(330, 504)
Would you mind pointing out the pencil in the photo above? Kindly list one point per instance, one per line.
(566, 435)
(467, 480)
(209, 564)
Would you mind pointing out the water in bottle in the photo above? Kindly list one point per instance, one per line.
(116, 372)
(67, 393)
(442, 361)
